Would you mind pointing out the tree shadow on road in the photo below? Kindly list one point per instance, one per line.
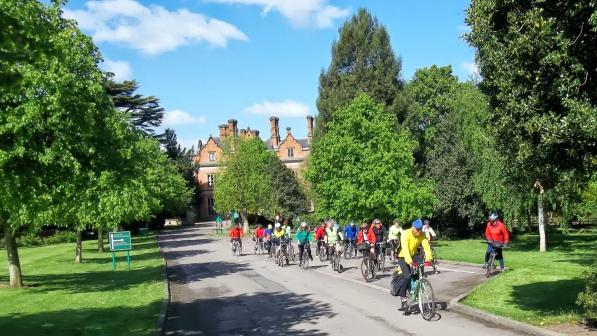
(185, 273)
(278, 313)
(184, 242)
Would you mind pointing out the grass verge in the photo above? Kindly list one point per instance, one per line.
(540, 288)
(62, 298)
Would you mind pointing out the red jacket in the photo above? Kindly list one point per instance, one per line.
(370, 236)
(497, 232)
(236, 233)
(259, 232)
(319, 233)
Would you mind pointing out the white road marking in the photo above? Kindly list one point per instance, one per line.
(454, 270)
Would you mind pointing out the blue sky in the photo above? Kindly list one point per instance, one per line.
(212, 60)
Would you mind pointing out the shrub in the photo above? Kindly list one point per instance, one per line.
(588, 299)
(33, 240)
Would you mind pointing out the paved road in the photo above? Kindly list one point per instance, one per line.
(215, 293)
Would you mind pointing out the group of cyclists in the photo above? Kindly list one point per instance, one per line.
(409, 247)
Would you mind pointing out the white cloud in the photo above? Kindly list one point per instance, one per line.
(121, 69)
(286, 108)
(300, 13)
(471, 68)
(180, 117)
(151, 30)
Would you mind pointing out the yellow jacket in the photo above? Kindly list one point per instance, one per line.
(279, 234)
(410, 244)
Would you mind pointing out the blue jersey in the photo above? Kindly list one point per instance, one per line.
(267, 232)
(350, 232)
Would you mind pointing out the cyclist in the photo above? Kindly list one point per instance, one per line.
(277, 237)
(320, 235)
(394, 237)
(236, 233)
(350, 234)
(303, 236)
(380, 232)
(267, 234)
(410, 241)
(367, 236)
(259, 234)
(497, 235)
(428, 230)
(333, 236)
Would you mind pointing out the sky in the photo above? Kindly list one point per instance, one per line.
(212, 60)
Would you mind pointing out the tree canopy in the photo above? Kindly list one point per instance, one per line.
(363, 168)
(362, 61)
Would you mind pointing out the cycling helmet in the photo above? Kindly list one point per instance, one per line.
(278, 225)
(376, 221)
(352, 224)
(269, 226)
(426, 222)
(336, 225)
(304, 224)
(493, 216)
(418, 224)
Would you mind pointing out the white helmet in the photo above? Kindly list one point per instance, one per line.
(277, 225)
(304, 224)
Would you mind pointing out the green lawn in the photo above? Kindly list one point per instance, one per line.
(540, 288)
(62, 298)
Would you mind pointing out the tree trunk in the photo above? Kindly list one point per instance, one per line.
(79, 247)
(541, 218)
(245, 218)
(14, 265)
(100, 240)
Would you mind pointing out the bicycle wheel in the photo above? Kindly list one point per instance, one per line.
(322, 253)
(490, 265)
(348, 251)
(383, 262)
(366, 270)
(372, 268)
(338, 264)
(291, 252)
(305, 260)
(426, 300)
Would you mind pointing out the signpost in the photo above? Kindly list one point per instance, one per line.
(120, 241)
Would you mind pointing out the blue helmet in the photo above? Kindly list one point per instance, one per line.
(418, 224)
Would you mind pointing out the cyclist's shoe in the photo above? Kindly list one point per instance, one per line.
(502, 270)
(485, 266)
(404, 306)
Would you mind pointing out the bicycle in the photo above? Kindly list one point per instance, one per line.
(434, 258)
(304, 262)
(281, 255)
(420, 291)
(335, 259)
(259, 246)
(394, 248)
(381, 257)
(491, 267)
(290, 250)
(236, 248)
(323, 252)
(368, 268)
(350, 246)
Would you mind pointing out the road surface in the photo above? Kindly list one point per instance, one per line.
(215, 293)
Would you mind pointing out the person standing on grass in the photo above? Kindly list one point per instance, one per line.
(497, 235)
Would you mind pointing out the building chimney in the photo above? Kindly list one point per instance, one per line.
(223, 131)
(275, 131)
(255, 133)
(288, 131)
(310, 129)
(232, 130)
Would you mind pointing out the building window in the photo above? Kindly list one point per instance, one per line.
(212, 156)
(290, 152)
(210, 180)
(210, 206)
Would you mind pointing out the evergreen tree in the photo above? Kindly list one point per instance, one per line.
(145, 111)
(362, 61)
(288, 193)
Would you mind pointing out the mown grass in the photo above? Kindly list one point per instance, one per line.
(62, 298)
(539, 288)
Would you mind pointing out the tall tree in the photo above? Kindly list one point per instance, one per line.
(145, 111)
(537, 61)
(363, 168)
(55, 117)
(289, 196)
(243, 184)
(362, 61)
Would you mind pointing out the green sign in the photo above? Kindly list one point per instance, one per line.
(120, 241)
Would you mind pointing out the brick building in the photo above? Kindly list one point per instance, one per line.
(291, 151)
